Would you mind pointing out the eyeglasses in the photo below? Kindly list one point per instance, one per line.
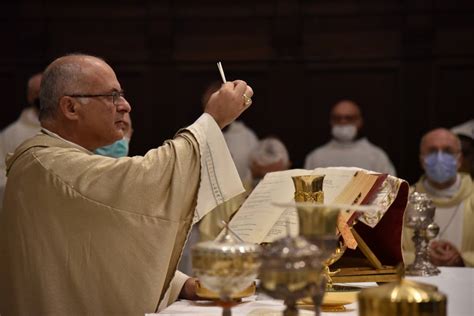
(116, 95)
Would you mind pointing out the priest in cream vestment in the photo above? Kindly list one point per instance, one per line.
(86, 234)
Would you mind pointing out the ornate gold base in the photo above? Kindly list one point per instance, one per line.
(324, 308)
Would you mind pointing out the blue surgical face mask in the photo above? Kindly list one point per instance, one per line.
(440, 167)
(115, 150)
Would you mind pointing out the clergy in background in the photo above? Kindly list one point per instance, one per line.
(348, 148)
(86, 234)
(452, 192)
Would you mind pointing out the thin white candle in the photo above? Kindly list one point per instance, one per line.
(221, 70)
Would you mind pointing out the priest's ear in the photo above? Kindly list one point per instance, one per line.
(69, 107)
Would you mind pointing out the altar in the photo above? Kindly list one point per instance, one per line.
(456, 283)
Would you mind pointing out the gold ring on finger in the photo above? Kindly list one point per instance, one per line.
(247, 100)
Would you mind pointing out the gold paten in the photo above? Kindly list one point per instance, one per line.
(335, 298)
(402, 298)
(203, 292)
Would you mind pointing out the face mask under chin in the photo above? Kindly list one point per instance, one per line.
(344, 133)
(115, 150)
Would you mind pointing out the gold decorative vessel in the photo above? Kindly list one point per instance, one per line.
(317, 224)
(402, 298)
(309, 189)
(226, 266)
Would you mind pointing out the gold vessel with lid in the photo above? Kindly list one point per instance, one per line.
(226, 266)
(402, 298)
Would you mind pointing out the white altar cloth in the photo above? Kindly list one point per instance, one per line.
(456, 283)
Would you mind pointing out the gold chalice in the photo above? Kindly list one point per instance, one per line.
(309, 189)
(317, 223)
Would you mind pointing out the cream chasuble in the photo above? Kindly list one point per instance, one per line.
(13, 135)
(86, 234)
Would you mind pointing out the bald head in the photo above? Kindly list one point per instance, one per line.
(33, 88)
(440, 139)
(346, 112)
(83, 101)
(66, 75)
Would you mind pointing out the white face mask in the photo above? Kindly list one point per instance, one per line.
(344, 133)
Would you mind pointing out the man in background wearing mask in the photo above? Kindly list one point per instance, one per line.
(26, 126)
(452, 193)
(346, 149)
(120, 147)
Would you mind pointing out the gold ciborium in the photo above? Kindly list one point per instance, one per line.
(402, 298)
(226, 266)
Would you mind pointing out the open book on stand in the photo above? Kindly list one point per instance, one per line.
(374, 242)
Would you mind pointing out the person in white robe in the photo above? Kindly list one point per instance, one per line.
(345, 149)
(26, 126)
(84, 234)
(240, 139)
(270, 155)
